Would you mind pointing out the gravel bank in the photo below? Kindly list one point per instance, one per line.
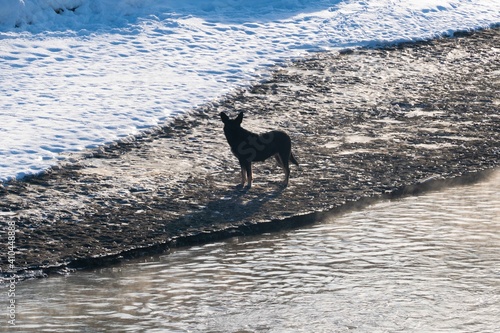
(364, 124)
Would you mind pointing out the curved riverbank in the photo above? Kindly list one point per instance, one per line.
(394, 266)
(365, 124)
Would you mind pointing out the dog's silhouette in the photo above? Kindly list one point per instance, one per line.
(249, 147)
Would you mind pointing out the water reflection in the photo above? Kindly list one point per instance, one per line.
(428, 263)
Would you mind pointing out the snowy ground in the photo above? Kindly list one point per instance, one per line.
(75, 74)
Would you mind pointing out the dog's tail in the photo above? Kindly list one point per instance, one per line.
(292, 159)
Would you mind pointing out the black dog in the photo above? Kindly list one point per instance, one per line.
(249, 147)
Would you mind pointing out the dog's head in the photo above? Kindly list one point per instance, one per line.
(231, 124)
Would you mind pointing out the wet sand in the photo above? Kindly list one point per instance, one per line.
(365, 124)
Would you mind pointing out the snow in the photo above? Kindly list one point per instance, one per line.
(76, 74)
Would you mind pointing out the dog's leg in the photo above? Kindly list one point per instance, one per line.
(278, 159)
(243, 174)
(284, 157)
(287, 176)
(249, 175)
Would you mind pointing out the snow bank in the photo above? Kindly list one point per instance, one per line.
(10, 12)
(37, 15)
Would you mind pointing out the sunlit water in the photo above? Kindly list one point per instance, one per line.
(420, 264)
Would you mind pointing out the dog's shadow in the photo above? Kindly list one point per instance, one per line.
(231, 206)
(245, 202)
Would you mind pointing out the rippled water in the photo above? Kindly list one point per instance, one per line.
(421, 264)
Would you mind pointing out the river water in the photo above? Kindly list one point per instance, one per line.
(429, 263)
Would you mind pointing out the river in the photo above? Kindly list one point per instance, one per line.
(428, 263)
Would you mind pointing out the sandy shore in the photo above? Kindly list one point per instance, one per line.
(365, 124)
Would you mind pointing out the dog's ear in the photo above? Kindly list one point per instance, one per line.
(224, 117)
(239, 119)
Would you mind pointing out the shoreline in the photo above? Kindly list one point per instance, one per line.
(366, 124)
(272, 226)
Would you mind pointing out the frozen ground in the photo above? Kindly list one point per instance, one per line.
(75, 74)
